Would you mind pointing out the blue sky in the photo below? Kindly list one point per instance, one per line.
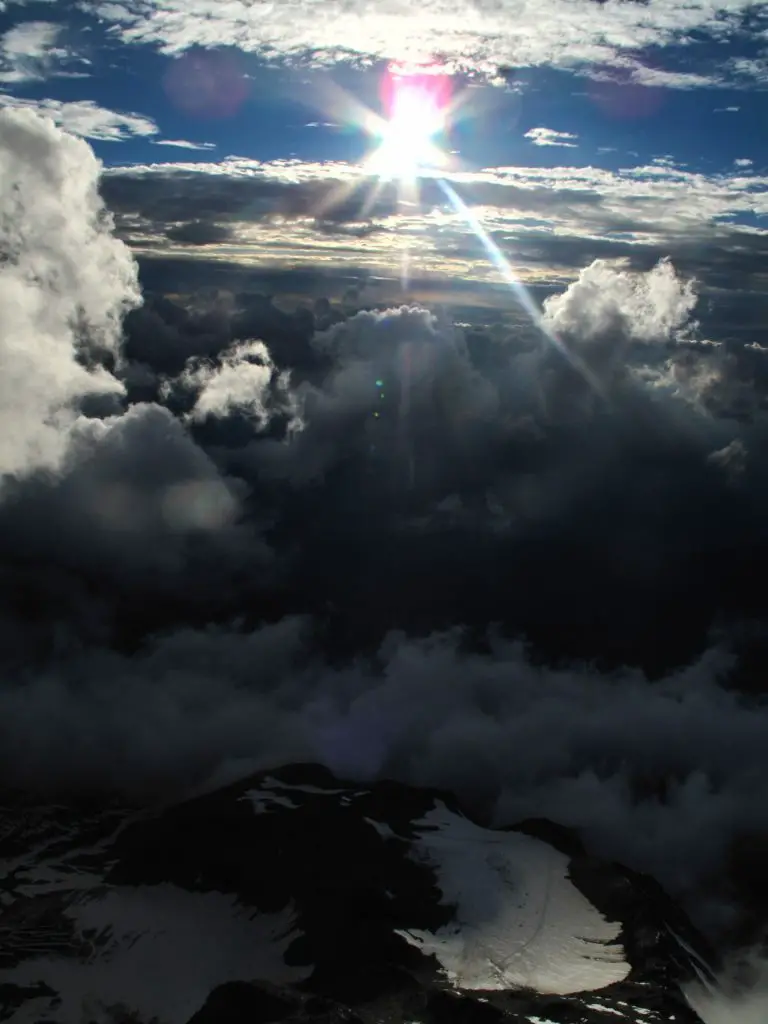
(653, 115)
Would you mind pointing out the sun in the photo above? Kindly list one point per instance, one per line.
(417, 106)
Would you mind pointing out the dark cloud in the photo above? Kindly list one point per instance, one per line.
(550, 222)
(160, 195)
(199, 232)
(164, 335)
(516, 562)
(169, 195)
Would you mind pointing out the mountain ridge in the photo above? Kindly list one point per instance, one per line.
(293, 895)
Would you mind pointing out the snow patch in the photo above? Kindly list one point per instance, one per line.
(272, 783)
(264, 802)
(382, 828)
(163, 947)
(519, 920)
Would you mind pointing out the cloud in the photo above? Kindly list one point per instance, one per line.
(28, 50)
(343, 414)
(183, 144)
(549, 137)
(608, 303)
(659, 776)
(134, 489)
(741, 993)
(752, 69)
(165, 338)
(86, 118)
(5, 4)
(514, 33)
(65, 283)
(436, 421)
(634, 72)
(246, 532)
(199, 232)
(731, 459)
(137, 503)
(245, 382)
(743, 162)
(549, 220)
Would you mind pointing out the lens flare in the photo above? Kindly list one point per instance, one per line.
(521, 293)
(416, 101)
(419, 107)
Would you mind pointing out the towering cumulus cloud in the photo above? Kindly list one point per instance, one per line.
(609, 302)
(65, 282)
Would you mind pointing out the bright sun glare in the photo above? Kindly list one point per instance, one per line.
(420, 109)
(417, 111)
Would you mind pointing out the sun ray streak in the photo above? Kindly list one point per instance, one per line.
(374, 194)
(336, 196)
(523, 297)
(405, 266)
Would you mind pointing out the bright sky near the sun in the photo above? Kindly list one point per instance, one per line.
(607, 125)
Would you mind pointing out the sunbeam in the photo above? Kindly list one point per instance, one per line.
(499, 260)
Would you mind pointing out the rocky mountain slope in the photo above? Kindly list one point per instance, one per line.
(293, 896)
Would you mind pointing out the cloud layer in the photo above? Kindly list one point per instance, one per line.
(473, 34)
(547, 220)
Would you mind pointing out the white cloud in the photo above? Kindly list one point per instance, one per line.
(631, 69)
(743, 161)
(244, 167)
(64, 279)
(549, 137)
(30, 39)
(86, 118)
(726, 110)
(660, 78)
(28, 50)
(5, 4)
(610, 302)
(741, 993)
(750, 68)
(473, 35)
(240, 383)
(183, 144)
